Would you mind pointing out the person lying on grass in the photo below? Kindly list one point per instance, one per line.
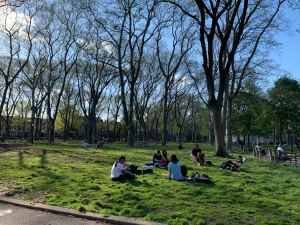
(119, 172)
(233, 165)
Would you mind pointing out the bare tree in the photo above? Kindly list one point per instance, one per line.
(221, 26)
(128, 32)
(59, 40)
(182, 101)
(146, 89)
(93, 75)
(68, 107)
(250, 60)
(18, 34)
(32, 76)
(170, 61)
(14, 95)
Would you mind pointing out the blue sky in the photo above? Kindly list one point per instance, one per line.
(287, 56)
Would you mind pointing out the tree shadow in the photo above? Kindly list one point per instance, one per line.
(43, 160)
(21, 158)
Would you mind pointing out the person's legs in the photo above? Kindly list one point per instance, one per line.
(126, 176)
(129, 176)
(120, 178)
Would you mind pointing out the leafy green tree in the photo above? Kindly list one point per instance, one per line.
(285, 103)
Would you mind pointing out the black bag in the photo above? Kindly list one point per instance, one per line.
(184, 170)
(132, 168)
(209, 163)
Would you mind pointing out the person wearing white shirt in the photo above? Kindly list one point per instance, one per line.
(118, 171)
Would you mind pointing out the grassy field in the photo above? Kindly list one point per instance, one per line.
(68, 176)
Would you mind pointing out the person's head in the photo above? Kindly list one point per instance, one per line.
(174, 159)
(197, 146)
(239, 159)
(164, 152)
(158, 152)
(122, 159)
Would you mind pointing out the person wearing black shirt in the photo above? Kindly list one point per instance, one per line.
(157, 157)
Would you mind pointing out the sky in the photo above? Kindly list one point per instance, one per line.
(287, 56)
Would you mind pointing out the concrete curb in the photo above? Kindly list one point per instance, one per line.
(70, 212)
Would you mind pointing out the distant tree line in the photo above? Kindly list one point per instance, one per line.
(143, 70)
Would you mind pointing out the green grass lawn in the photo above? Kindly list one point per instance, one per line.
(67, 176)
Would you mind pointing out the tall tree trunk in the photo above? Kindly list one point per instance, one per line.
(130, 126)
(211, 130)
(219, 132)
(229, 124)
(91, 131)
(51, 133)
(31, 126)
(165, 116)
(179, 134)
(3, 101)
(130, 135)
(156, 129)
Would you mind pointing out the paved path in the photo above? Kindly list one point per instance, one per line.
(15, 215)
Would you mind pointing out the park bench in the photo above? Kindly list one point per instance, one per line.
(274, 158)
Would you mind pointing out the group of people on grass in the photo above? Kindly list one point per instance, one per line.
(121, 171)
(176, 171)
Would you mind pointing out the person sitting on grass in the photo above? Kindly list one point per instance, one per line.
(174, 168)
(119, 172)
(180, 147)
(100, 143)
(197, 156)
(85, 145)
(157, 157)
(164, 161)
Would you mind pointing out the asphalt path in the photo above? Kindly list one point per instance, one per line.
(16, 215)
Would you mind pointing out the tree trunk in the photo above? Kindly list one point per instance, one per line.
(165, 116)
(179, 135)
(228, 124)
(130, 136)
(90, 131)
(3, 101)
(7, 128)
(211, 130)
(31, 126)
(156, 129)
(219, 132)
(51, 134)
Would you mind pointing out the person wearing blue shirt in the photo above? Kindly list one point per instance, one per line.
(174, 168)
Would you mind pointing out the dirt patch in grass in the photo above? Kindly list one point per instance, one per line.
(10, 147)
